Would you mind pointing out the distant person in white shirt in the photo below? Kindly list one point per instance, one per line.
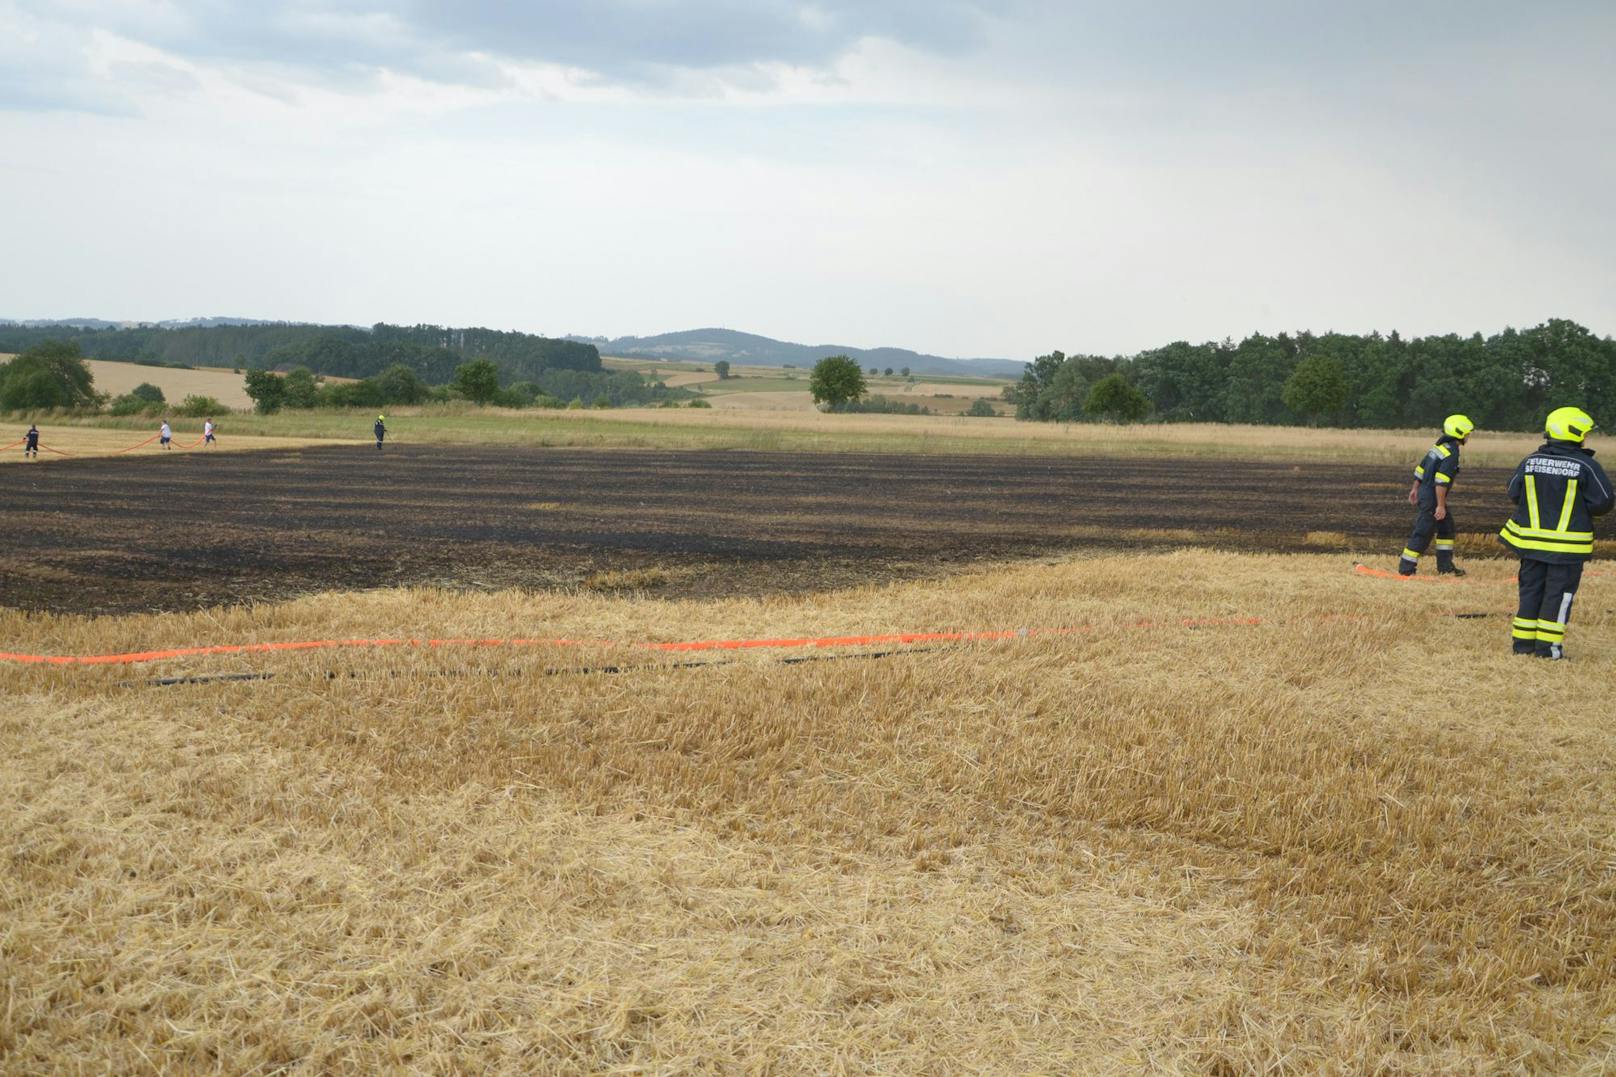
(165, 435)
(207, 433)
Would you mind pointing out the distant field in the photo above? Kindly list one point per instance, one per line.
(778, 389)
(115, 379)
(814, 431)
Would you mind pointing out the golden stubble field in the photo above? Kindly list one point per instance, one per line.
(1357, 836)
(223, 384)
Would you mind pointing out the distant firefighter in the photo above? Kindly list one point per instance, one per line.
(381, 430)
(1433, 481)
(1558, 490)
(30, 443)
(207, 433)
(165, 435)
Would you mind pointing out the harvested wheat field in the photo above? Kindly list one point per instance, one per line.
(1245, 814)
(223, 384)
(59, 444)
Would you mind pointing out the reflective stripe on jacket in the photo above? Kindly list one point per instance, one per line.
(1557, 491)
(1438, 467)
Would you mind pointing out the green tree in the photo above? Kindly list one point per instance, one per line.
(477, 381)
(904, 372)
(836, 380)
(51, 374)
(1116, 399)
(267, 390)
(400, 384)
(1257, 372)
(721, 368)
(148, 392)
(887, 372)
(1316, 388)
(299, 389)
(981, 408)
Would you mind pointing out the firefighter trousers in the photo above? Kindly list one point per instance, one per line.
(1426, 525)
(1547, 591)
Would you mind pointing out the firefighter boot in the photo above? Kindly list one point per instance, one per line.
(1444, 559)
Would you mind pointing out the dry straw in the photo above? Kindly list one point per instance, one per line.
(1368, 843)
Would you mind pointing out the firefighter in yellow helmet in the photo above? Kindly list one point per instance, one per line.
(1558, 490)
(1433, 481)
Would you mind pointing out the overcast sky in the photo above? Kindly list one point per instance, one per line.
(956, 177)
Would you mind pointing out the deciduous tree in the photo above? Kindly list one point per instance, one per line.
(477, 381)
(836, 380)
(1316, 388)
(51, 374)
(1116, 399)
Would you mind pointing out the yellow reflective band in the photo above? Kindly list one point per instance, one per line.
(1443, 451)
(1531, 501)
(1570, 503)
(1443, 545)
(1410, 555)
(1443, 479)
(1419, 471)
(1547, 547)
(1523, 633)
(1550, 626)
(1545, 533)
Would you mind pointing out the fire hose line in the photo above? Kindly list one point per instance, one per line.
(677, 647)
(14, 444)
(116, 452)
(904, 639)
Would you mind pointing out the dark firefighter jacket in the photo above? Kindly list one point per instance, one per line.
(1439, 466)
(1557, 491)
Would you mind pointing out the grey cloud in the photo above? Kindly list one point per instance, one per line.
(615, 39)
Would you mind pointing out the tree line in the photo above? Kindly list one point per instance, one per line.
(432, 351)
(477, 381)
(1507, 381)
(52, 374)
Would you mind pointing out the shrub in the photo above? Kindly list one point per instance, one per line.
(880, 405)
(981, 409)
(130, 404)
(696, 403)
(299, 389)
(148, 392)
(199, 407)
(267, 390)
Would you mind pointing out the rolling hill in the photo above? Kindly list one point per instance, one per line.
(749, 349)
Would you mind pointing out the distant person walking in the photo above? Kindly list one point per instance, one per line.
(1433, 481)
(30, 443)
(381, 430)
(165, 435)
(1558, 490)
(207, 433)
